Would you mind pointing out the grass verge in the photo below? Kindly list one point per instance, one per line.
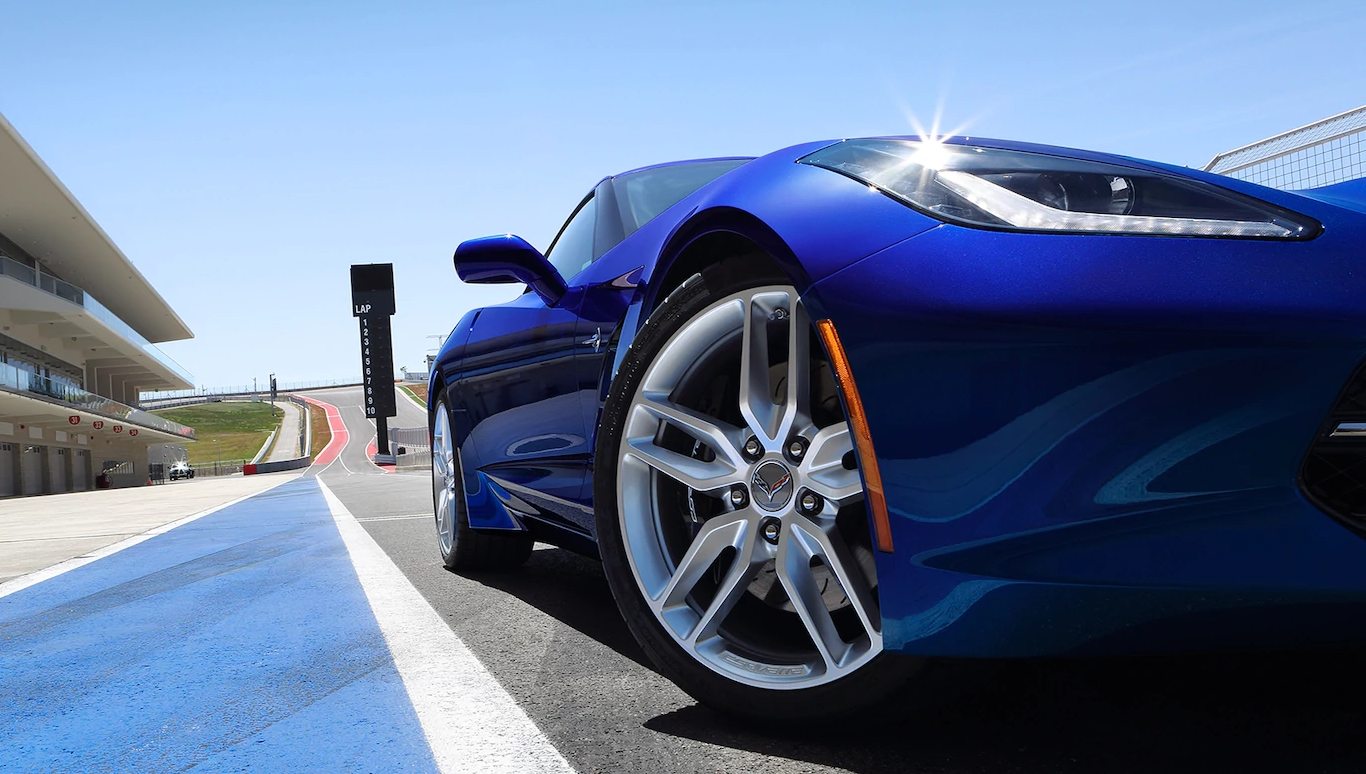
(418, 391)
(229, 430)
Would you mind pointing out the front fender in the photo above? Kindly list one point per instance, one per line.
(811, 222)
(447, 364)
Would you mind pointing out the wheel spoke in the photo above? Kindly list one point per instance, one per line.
(798, 394)
(793, 567)
(756, 398)
(443, 479)
(733, 531)
(769, 420)
(443, 511)
(834, 553)
(723, 438)
(741, 572)
(693, 473)
(823, 469)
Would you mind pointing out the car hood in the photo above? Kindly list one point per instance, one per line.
(1349, 195)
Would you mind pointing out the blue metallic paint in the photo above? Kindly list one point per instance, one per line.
(518, 415)
(1089, 442)
(508, 258)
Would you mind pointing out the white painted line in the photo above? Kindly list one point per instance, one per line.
(471, 723)
(47, 573)
(386, 518)
(375, 440)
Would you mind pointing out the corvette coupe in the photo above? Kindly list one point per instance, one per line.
(831, 411)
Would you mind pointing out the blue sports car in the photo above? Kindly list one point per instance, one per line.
(855, 403)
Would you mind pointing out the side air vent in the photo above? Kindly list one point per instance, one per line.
(1334, 474)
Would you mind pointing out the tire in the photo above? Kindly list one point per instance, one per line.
(747, 649)
(461, 547)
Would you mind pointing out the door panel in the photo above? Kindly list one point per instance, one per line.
(610, 301)
(8, 464)
(56, 469)
(524, 446)
(30, 469)
(80, 470)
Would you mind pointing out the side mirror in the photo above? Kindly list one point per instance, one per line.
(508, 259)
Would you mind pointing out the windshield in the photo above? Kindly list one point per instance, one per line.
(647, 193)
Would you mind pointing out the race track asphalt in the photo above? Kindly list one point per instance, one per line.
(552, 637)
(312, 627)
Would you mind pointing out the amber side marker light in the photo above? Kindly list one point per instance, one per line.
(863, 439)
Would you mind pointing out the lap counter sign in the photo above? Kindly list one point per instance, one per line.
(372, 303)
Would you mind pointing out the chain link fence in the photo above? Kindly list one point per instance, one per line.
(161, 397)
(1323, 153)
(219, 468)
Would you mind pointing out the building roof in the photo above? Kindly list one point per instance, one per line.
(41, 216)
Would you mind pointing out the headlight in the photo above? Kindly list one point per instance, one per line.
(1026, 191)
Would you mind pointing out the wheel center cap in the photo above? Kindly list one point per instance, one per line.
(772, 485)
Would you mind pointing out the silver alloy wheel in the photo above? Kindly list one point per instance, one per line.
(763, 528)
(443, 479)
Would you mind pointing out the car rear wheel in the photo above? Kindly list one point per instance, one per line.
(731, 517)
(461, 547)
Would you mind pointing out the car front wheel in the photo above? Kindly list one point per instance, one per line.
(730, 509)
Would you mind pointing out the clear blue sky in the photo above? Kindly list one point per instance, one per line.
(244, 153)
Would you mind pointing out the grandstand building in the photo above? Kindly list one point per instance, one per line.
(78, 332)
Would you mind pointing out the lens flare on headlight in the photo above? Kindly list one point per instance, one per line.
(1026, 191)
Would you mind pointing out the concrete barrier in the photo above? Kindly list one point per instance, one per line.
(422, 458)
(265, 447)
(416, 446)
(306, 433)
(252, 468)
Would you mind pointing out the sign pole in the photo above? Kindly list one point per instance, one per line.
(372, 303)
(382, 439)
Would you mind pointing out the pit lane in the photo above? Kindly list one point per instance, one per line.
(249, 638)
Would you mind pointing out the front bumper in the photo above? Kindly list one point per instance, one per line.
(1094, 443)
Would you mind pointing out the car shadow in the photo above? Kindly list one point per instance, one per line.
(1279, 712)
(570, 588)
(1243, 712)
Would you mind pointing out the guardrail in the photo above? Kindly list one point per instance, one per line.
(265, 447)
(156, 396)
(412, 447)
(252, 468)
(305, 444)
(306, 431)
(166, 404)
(27, 383)
(218, 468)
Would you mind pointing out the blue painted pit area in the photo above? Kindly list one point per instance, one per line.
(242, 640)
